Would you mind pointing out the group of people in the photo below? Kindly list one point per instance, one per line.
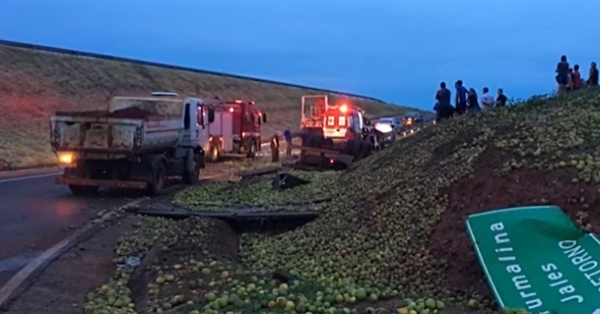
(569, 79)
(466, 100)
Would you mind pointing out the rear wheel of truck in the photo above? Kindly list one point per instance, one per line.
(159, 178)
(192, 177)
(83, 189)
(213, 153)
(251, 149)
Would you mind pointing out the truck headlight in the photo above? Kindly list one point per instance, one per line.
(66, 158)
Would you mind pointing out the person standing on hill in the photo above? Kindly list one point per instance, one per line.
(501, 99)
(443, 107)
(576, 78)
(473, 101)
(461, 97)
(562, 74)
(593, 78)
(487, 100)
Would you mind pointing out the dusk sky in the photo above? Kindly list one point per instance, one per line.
(398, 51)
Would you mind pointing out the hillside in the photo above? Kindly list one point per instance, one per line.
(34, 83)
(394, 227)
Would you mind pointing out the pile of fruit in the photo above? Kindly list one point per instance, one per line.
(368, 251)
(258, 192)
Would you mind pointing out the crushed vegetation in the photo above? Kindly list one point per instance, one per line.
(392, 237)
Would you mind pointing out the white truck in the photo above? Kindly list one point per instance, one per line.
(137, 143)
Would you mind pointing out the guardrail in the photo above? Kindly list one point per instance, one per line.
(173, 67)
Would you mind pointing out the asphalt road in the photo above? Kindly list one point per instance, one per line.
(35, 214)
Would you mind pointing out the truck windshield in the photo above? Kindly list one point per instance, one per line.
(163, 107)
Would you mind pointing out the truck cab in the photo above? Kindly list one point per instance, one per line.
(236, 131)
(137, 142)
(343, 122)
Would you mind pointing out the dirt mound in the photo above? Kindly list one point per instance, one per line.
(34, 84)
(377, 232)
(487, 189)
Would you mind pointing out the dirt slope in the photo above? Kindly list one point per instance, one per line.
(33, 84)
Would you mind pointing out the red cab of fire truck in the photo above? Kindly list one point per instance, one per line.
(235, 131)
(343, 122)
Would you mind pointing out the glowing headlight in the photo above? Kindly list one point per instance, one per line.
(384, 128)
(66, 158)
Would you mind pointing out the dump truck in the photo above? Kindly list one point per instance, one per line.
(236, 131)
(344, 135)
(136, 143)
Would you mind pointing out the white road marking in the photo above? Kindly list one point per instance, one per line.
(16, 281)
(29, 177)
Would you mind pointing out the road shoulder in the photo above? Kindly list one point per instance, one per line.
(62, 286)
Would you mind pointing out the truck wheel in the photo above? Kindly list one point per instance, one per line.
(251, 149)
(159, 178)
(213, 154)
(365, 150)
(357, 149)
(328, 142)
(192, 177)
(82, 189)
(349, 147)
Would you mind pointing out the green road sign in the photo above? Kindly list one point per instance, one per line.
(536, 258)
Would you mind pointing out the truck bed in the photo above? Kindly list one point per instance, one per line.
(125, 131)
(127, 113)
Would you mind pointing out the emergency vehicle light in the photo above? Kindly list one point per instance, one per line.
(344, 108)
(238, 101)
(230, 109)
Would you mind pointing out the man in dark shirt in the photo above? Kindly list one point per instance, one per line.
(593, 78)
(501, 99)
(461, 97)
(443, 107)
(562, 74)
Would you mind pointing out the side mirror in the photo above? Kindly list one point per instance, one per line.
(264, 118)
(211, 115)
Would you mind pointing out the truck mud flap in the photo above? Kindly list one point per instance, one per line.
(101, 183)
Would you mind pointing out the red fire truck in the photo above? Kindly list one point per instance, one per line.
(345, 136)
(236, 130)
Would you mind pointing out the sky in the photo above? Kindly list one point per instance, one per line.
(398, 51)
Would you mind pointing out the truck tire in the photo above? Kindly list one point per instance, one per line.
(328, 142)
(213, 153)
(194, 176)
(159, 179)
(365, 149)
(251, 149)
(357, 149)
(83, 189)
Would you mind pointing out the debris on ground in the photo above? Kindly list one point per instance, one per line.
(258, 192)
(392, 237)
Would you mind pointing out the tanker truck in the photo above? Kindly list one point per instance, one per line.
(136, 143)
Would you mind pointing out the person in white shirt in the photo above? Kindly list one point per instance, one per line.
(487, 100)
